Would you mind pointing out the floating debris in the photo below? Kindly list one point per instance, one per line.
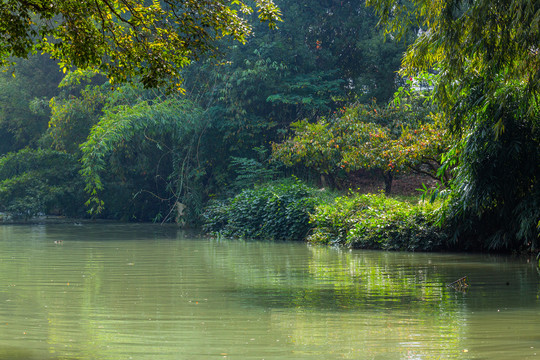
(460, 284)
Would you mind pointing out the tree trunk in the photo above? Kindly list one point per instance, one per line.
(328, 181)
(324, 184)
(388, 177)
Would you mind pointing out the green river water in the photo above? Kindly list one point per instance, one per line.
(124, 291)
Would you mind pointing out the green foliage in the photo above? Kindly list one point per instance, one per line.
(321, 42)
(24, 97)
(125, 39)
(483, 44)
(486, 52)
(36, 182)
(144, 160)
(495, 202)
(278, 211)
(72, 117)
(322, 55)
(390, 140)
(251, 172)
(376, 222)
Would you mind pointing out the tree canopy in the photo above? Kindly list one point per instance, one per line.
(388, 140)
(125, 38)
(478, 46)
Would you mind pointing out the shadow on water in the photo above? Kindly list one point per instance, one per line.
(17, 353)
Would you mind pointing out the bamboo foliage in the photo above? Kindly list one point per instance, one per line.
(173, 117)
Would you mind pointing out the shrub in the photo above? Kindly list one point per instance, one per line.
(36, 182)
(278, 210)
(376, 222)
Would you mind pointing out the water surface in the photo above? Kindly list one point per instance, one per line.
(110, 291)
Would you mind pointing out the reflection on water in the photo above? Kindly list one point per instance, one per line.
(110, 291)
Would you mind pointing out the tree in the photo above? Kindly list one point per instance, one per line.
(323, 55)
(24, 98)
(388, 140)
(479, 47)
(495, 199)
(143, 162)
(34, 182)
(125, 39)
(486, 52)
(81, 104)
(71, 119)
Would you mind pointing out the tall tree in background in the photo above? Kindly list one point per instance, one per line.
(323, 55)
(24, 101)
(344, 36)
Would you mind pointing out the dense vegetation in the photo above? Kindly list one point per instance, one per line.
(371, 221)
(110, 135)
(126, 39)
(279, 211)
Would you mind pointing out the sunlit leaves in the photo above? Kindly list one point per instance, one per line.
(125, 39)
(388, 139)
(375, 222)
(479, 46)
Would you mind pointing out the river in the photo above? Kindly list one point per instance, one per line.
(129, 291)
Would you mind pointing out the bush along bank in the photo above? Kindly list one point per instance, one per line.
(291, 210)
(374, 221)
(278, 210)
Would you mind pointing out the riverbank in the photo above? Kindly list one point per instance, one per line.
(7, 219)
(290, 210)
